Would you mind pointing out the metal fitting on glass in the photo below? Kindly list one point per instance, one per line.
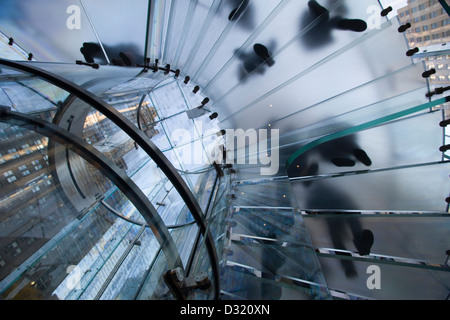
(386, 11)
(412, 52)
(444, 148)
(404, 27)
(93, 65)
(180, 286)
(428, 73)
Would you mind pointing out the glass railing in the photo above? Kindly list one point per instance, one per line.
(116, 263)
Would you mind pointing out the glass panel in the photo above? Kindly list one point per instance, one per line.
(45, 235)
(39, 30)
(139, 249)
(397, 282)
(378, 147)
(241, 283)
(422, 188)
(177, 16)
(154, 287)
(29, 94)
(281, 93)
(11, 52)
(123, 42)
(421, 237)
(245, 20)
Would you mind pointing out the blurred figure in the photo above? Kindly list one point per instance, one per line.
(242, 13)
(321, 32)
(122, 55)
(256, 61)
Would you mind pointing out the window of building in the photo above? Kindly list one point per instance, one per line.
(425, 28)
(7, 173)
(422, 6)
(434, 25)
(424, 17)
(433, 14)
(12, 179)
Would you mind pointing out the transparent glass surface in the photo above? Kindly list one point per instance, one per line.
(422, 188)
(242, 284)
(382, 146)
(13, 52)
(341, 52)
(397, 282)
(119, 39)
(154, 287)
(40, 31)
(54, 250)
(410, 236)
(247, 18)
(28, 94)
(269, 253)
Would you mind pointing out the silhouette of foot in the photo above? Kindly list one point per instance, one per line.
(236, 12)
(262, 52)
(343, 162)
(362, 156)
(364, 242)
(87, 57)
(318, 11)
(126, 59)
(356, 25)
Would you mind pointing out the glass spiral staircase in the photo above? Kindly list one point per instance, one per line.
(111, 184)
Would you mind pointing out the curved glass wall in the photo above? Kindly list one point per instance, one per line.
(273, 149)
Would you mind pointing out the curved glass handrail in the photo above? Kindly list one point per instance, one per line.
(367, 125)
(166, 166)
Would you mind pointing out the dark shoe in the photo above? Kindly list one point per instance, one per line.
(87, 57)
(356, 25)
(364, 242)
(236, 12)
(317, 10)
(262, 52)
(343, 162)
(126, 59)
(362, 156)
